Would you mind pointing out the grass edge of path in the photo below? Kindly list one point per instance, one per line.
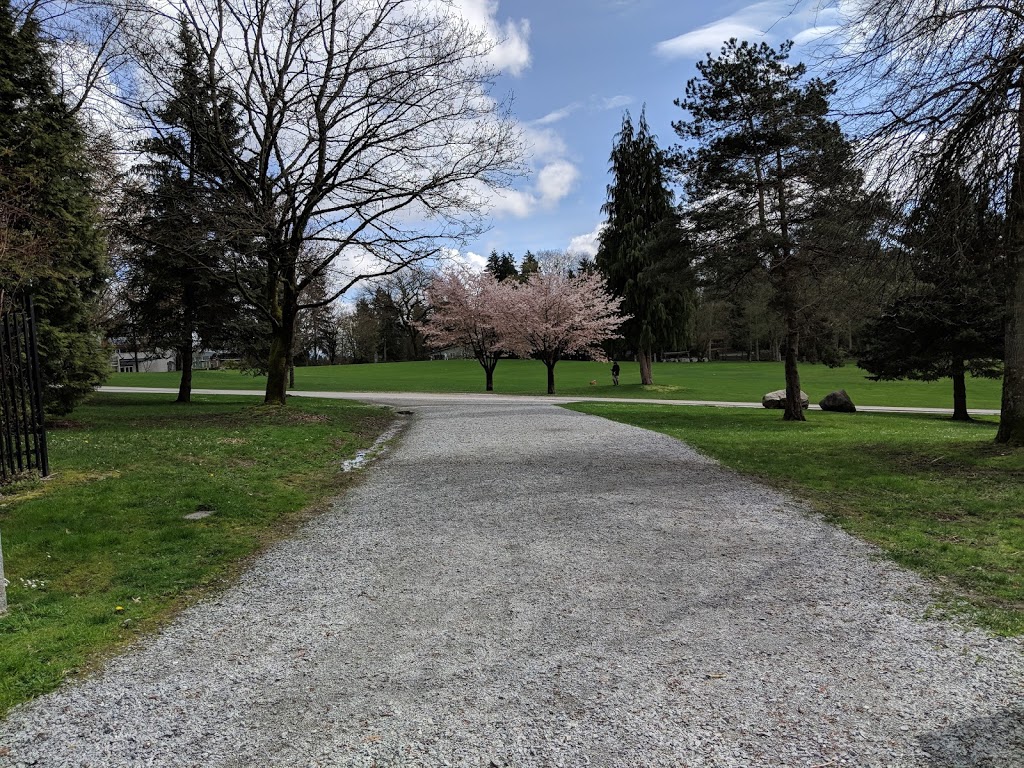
(82, 592)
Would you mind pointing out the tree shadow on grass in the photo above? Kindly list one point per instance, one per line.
(996, 741)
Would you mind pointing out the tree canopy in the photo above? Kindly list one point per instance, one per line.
(553, 315)
(642, 253)
(949, 319)
(936, 89)
(770, 181)
(370, 143)
(50, 240)
(177, 285)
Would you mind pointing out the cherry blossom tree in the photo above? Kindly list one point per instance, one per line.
(466, 307)
(554, 315)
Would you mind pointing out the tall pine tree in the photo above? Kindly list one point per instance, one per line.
(177, 291)
(642, 255)
(770, 181)
(502, 267)
(50, 240)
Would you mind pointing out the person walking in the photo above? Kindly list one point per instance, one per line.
(615, 373)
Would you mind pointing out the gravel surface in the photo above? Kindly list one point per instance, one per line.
(519, 585)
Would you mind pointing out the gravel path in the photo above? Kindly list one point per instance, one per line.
(519, 585)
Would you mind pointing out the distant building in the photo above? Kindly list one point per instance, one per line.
(452, 353)
(128, 358)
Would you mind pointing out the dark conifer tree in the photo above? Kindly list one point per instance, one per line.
(50, 241)
(950, 319)
(530, 266)
(177, 289)
(502, 266)
(770, 181)
(493, 264)
(641, 253)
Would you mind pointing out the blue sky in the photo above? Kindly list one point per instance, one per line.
(573, 66)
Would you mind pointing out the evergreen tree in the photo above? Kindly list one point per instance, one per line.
(176, 291)
(770, 181)
(950, 321)
(641, 251)
(502, 267)
(530, 266)
(508, 269)
(50, 241)
(493, 263)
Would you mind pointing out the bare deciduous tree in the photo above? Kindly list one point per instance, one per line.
(371, 141)
(407, 291)
(87, 45)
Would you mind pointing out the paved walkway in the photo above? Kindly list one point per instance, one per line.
(521, 585)
(393, 398)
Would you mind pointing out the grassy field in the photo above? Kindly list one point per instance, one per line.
(102, 550)
(733, 382)
(938, 496)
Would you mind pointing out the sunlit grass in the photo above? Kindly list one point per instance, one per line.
(102, 550)
(938, 496)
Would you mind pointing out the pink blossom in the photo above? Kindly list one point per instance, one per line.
(553, 315)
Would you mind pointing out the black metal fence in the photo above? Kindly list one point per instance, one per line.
(22, 428)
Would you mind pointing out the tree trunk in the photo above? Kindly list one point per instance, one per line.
(189, 302)
(551, 376)
(959, 391)
(794, 407)
(1011, 418)
(278, 364)
(489, 363)
(644, 358)
(185, 385)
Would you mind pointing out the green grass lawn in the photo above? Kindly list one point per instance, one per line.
(101, 550)
(938, 496)
(733, 382)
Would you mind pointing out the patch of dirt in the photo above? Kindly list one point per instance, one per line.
(284, 416)
(962, 466)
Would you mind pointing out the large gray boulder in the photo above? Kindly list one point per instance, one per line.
(777, 399)
(838, 401)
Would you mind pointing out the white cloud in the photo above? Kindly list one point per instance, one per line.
(557, 115)
(773, 20)
(813, 34)
(551, 184)
(472, 261)
(586, 245)
(707, 39)
(544, 144)
(556, 180)
(512, 202)
(593, 104)
(510, 38)
(616, 102)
